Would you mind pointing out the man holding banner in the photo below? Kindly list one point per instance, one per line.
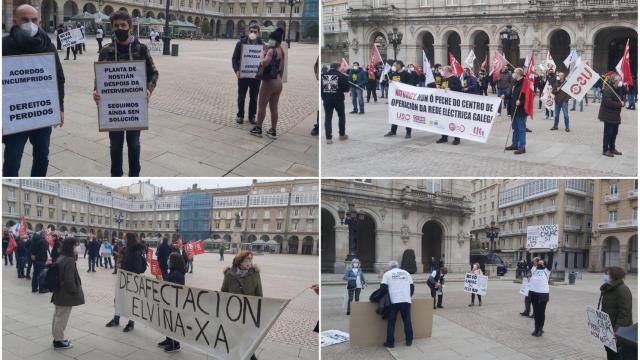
(26, 38)
(127, 48)
(452, 83)
(247, 48)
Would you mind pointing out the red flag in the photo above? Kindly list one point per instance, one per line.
(23, 228)
(149, 254)
(484, 63)
(624, 67)
(455, 65)
(498, 63)
(375, 55)
(12, 243)
(155, 267)
(344, 66)
(198, 247)
(189, 250)
(527, 87)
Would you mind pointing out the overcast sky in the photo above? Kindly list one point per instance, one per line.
(182, 183)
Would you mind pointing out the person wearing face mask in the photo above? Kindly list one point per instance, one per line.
(469, 83)
(25, 37)
(246, 84)
(504, 85)
(519, 121)
(437, 74)
(399, 74)
(616, 300)
(609, 114)
(372, 83)
(355, 282)
(483, 83)
(561, 99)
(539, 295)
(450, 82)
(475, 269)
(357, 81)
(412, 75)
(126, 47)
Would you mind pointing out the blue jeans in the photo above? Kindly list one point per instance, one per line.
(519, 126)
(38, 266)
(133, 150)
(405, 311)
(14, 147)
(597, 94)
(574, 104)
(357, 98)
(507, 98)
(384, 87)
(92, 263)
(632, 100)
(20, 264)
(565, 110)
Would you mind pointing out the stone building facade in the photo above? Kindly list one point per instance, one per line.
(429, 216)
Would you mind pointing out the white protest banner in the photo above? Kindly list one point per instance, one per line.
(71, 38)
(524, 289)
(250, 60)
(476, 284)
(547, 96)
(332, 337)
(580, 81)
(30, 98)
(122, 87)
(223, 325)
(443, 112)
(542, 236)
(600, 328)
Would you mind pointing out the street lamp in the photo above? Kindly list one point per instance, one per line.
(492, 234)
(395, 39)
(118, 220)
(350, 218)
(508, 36)
(165, 37)
(291, 4)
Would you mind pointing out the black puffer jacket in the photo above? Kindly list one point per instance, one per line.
(610, 107)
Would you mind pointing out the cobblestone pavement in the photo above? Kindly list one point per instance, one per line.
(549, 153)
(192, 129)
(493, 331)
(26, 317)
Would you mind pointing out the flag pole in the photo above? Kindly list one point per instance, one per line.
(512, 117)
(614, 90)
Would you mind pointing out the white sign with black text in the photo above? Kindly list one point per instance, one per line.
(122, 87)
(542, 236)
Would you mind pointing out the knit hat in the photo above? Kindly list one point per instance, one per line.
(277, 35)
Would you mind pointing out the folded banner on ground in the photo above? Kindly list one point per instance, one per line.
(475, 284)
(29, 93)
(443, 112)
(580, 81)
(332, 337)
(600, 328)
(223, 325)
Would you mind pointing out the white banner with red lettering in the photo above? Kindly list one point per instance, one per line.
(580, 81)
(443, 112)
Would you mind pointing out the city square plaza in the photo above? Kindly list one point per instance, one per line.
(26, 316)
(192, 129)
(495, 330)
(549, 153)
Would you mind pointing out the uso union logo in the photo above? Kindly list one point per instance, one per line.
(455, 127)
(452, 126)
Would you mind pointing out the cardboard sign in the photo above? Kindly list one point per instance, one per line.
(223, 325)
(332, 337)
(524, 289)
(466, 116)
(580, 81)
(366, 328)
(250, 60)
(122, 87)
(542, 236)
(30, 97)
(600, 328)
(71, 38)
(476, 284)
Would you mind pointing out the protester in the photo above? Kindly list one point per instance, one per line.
(334, 84)
(384, 85)
(372, 83)
(609, 114)
(539, 295)
(162, 254)
(8, 259)
(83, 45)
(357, 82)
(355, 283)
(561, 99)
(476, 271)
(117, 250)
(437, 75)
(21, 256)
(519, 122)
(527, 298)
(221, 251)
(273, 61)
(68, 295)
(470, 83)
(133, 259)
(126, 48)
(94, 253)
(25, 37)
(616, 300)
(189, 265)
(398, 74)
(176, 276)
(73, 48)
(27, 245)
(178, 247)
(450, 82)
(59, 30)
(632, 93)
(504, 85)
(399, 285)
(55, 249)
(483, 82)
(106, 251)
(436, 285)
(246, 84)
(99, 37)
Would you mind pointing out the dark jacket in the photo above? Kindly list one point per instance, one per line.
(358, 77)
(139, 51)
(237, 52)
(400, 76)
(55, 250)
(560, 96)
(381, 296)
(162, 253)
(21, 248)
(610, 107)
(452, 83)
(39, 247)
(616, 300)
(334, 85)
(505, 80)
(518, 94)
(5, 242)
(176, 276)
(70, 291)
(134, 258)
(18, 43)
(471, 83)
(94, 248)
(247, 285)
(185, 257)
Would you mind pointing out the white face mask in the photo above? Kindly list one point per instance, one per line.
(30, 27)
(253, 36)
(619, 83)
(393, 68)
(355, 67)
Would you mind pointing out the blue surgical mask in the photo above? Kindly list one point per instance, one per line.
(605, 279)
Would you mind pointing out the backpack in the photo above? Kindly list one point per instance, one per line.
(51, 275)
(140, 264)
(271, 70)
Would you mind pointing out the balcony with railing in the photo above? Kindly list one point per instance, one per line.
(551, 209)
(618, 224)
(611, 198)
(633, 194)
(574, 208)
(572, 227)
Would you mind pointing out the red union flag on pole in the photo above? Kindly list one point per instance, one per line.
(344, 66)
(529, 93)
(375, 55)
(149, 254)
(155, 268)
(12, 244)
(624, 67)
(499, 62)
(455, 65)
(23, 227)
(198, 247)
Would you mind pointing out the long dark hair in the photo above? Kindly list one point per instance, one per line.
(67, 247)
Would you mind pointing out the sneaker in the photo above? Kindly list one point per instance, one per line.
(239, 120)
(389, 134)
(567, 130)
(353, 112)
(472, 304)
(128, 328)
(388, 345)
(112, 323)
(172, 347)
(524, 314)
(314, 131)
(271, 133)
(440, 307)
(164, 343)
(329, 141)
(616, 152)
(344, 137)
(409, 342)
(61, 345)
(441, 140)
(256, 131)
(554, 128)
(456, 142)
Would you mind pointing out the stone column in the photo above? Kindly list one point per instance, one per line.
(342, 247)
(300, 242)
(315, 246)
(595, 255)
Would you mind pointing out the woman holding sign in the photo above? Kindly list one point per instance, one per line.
(539, 295)
(616, 301)
(476, 271)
